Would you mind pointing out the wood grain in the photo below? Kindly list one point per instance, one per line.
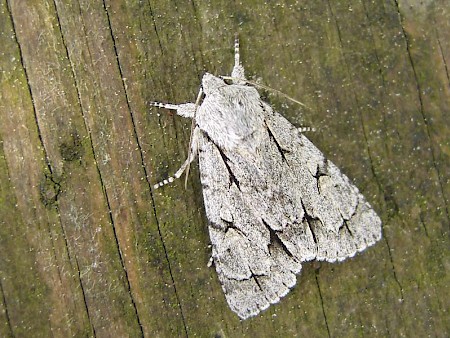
(88, 248)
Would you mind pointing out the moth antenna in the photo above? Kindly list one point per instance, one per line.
(197, 103)
(172, 178)
(164, 182)
(234, 79)
(306, 129)
(187, 163)
(164, 105)
(193, 150)
(238, 71)
(237, 61)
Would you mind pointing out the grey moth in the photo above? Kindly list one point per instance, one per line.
(272, 199)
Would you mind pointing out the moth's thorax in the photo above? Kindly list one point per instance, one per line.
(211, 83)
(231, 115)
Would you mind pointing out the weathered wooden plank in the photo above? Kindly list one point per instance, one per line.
(118, 157)
(88, 248)
(39, 283)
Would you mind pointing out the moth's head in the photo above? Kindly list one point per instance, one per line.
(210, 83)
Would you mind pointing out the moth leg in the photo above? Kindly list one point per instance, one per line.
(191, 157)
(184, 109)
(238, 69)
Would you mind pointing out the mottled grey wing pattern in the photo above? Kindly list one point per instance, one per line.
(340, 219)
(270, 210)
